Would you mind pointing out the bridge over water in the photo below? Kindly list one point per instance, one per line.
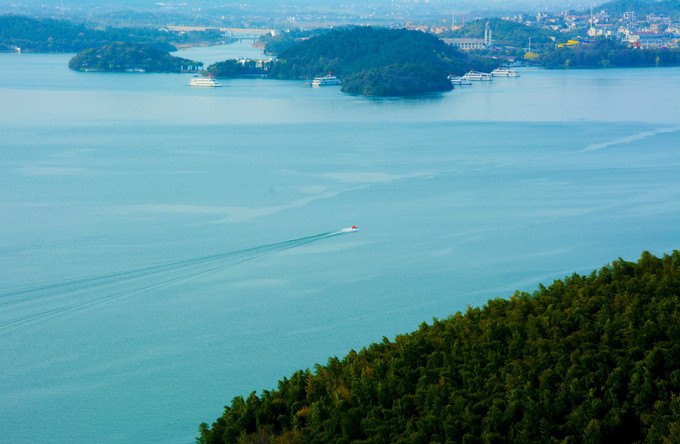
(236, 33)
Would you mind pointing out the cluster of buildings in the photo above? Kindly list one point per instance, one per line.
(649, 31)
(652, 30)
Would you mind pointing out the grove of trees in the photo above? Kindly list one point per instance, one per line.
(234, 68)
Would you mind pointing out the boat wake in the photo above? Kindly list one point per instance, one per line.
(27, 304)
(629, 139)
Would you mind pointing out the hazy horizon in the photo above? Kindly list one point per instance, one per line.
(380, 8)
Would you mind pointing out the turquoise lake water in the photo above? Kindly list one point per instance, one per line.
(165, 248)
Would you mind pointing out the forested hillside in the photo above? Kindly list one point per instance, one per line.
(588, 359)
(48, 35)
(119, 57)
(377, 61)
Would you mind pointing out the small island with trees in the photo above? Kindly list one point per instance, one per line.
(130, 57)
(377, 61)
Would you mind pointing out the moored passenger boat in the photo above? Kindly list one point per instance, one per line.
(208, 82)
(504, 72)
(326, 80)
(457, 80)
(475, 76)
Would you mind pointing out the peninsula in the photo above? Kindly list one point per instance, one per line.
(589, 359)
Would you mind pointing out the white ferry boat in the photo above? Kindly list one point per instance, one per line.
(475, 76)
(204, 81)
(504, 72)
(457, 80)
(326, 80)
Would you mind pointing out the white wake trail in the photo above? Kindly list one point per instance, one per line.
(69, 292)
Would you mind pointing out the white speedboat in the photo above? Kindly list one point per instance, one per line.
(350, 229)
(475, 76)
(208, 82)
(504, 72)
(326, 80)
(457, 80)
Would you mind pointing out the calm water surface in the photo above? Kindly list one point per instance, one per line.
(165, 249)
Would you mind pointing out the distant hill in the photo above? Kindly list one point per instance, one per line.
(642, 8)
(48, 35)
(589, 359)
(121, 57)
(377, 61)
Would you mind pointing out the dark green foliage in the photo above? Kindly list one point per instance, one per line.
(605, 53)
(411, 62)
(119, 57)
(233, 68)
(48, 35)
(590, 359)
(508, 33)
(396, 80)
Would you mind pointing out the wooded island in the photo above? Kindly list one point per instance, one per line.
(377, 61)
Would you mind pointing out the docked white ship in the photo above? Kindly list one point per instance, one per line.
(504, 72)
(457, 80)
(326, 80)
(475, 76)
(208, 82)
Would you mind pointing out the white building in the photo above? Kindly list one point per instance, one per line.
(466, 44)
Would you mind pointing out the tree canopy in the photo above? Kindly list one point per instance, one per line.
(120, 57)
(234, 68)
(591, 358)
(275, 44)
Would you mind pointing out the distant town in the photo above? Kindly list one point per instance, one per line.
(648, 31)
(652, 30)
(639, 24)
